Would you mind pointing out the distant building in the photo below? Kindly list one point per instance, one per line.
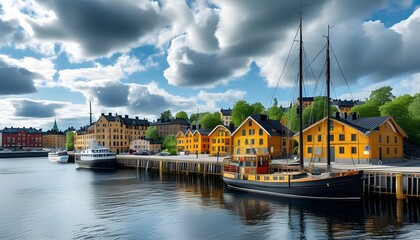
(220, 140)
(193, 141)
(226, 116)
(21, 138)
(306, 101)
(167, 127)
(54, 138)
(146, 144)
(115, 132)
(345, 106)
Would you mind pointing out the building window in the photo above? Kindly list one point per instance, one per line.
(342, 137)
(380, 138)
(395, 139)
(309, 149)
(341, 150)
(353, 137)
(387, 138)
(261, 141)
(309, 138)
(395, 150)
(251, 131)
(244, 132)
(387, 151)
(353, 150)
(246, 141)
(319, 138)
(252, 141)
(332, 137)
(260, 132)
(319, 129)
(250, 123)
(239, 142)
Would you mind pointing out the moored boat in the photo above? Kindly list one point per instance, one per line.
(97, 158)
(252, 172)
(58, 156)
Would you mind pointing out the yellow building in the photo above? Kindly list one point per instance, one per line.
(220, 141)
(193, 141)
(54, 140)
(306, 101)
(344, 106)
(262, 135)
(363, 140)
(115, 132)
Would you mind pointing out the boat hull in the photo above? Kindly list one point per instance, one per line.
(336, 188)
(58, 157)
(100, 164)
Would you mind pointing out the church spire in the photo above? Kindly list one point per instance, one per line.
(55, 128)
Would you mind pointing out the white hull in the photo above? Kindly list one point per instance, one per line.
(58, 157)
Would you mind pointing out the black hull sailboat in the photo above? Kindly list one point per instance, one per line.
(251, 172)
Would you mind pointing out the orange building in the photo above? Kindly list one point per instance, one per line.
(262, 135)
(363, 140)
(193, 141)
(220, 140)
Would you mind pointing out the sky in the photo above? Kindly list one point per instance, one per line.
(140, 58)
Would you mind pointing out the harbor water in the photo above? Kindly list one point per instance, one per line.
(40, 199)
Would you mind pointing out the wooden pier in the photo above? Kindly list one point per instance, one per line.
(401, 181)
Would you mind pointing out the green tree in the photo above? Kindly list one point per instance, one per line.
(211, 120)
(181, 115)
(275, 112)
(166, 115)
(291, 117)
(196, 117)
(316, 111)
(152, 132)
(381, 96)
(241, 111)
(257, 108)
(70, 141)
(398, 109)
(366, 110)
(169, 144)
(414, 107)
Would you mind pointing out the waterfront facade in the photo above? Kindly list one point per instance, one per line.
(167, 127)
(220, 141)
(21, 138)
(363, 140)
(258, 134)
(115, 132)
(54, 140)
(193, 141)
(146, 144)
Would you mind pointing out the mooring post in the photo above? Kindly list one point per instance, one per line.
(399, 186)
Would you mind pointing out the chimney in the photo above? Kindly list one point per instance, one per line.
(345, 115)
(126, 116)
(102, 114)
(137, 117)
(109, 114)
(353, 116)
(337, 115)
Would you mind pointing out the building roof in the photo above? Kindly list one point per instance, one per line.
(306, 99)
(55, 128)
(229, 128)
(126, 120)
(203, 131)
(16, 130)
(176, 121)
(271, 127)
(226, 112)
(346, 103)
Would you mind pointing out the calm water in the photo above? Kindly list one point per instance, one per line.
(44, 200)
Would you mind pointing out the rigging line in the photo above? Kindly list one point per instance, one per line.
(341, 71)
(284, 67)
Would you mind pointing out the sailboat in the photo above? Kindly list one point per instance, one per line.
(252, 173)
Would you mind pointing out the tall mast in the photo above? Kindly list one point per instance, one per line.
(327, 73)
(90, 113)
(300, 95)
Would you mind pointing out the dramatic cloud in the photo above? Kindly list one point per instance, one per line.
(97, 28)
(111, 95)
(35, 109)
(16, 80)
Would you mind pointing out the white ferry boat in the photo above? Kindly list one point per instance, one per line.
(58, 156)
(97, 158)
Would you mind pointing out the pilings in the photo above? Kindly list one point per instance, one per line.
(401, 185)
(170, 165)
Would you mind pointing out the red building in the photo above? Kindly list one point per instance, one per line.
(20, 138)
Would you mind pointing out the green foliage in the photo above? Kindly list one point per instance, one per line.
(166, 115)
(240, 112)
(316, 111)
(381, 96)
(211, 120)
(70, 141)
(169, 144)
(258, 108)
(414, 107)
(181, 115)
(275, 112)
(152, 132)
(292, 118)
(195, 117)
(366, 110)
